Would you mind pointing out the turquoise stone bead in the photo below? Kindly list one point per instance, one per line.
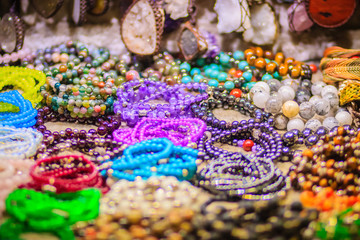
(195, 71)
(185, 66)
(224, 59)
(249, 85)
(198, 77)
(222, 76)
(229, 85)
(242, 65)
(266, 76)
(213, 83)
(239, 55)
(186, 79)
(214, 74)
(215, 66)
(248, 76)
(208, 72)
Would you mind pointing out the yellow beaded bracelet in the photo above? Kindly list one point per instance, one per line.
(27, 80)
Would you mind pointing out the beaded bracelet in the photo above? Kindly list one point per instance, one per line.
(221, 99)
(32, 211)
(25, 117)
(132, 104)
(18, 143)
(13, 173)
(332, 162)
(68, 173)
(155, 157)
(13, 57)
(182, 132)
(27, 80)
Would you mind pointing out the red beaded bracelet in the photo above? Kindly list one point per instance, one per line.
(68, 173)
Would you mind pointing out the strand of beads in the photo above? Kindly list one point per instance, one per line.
(27, 80)
(155, 157)
(182, 132)
(25, 117)
(13, 173)
(18, 143)
(14, 57)
(132, 104)
(32, 211)
(68, 173)
(332, 162)
(84, 85)
(221, 99)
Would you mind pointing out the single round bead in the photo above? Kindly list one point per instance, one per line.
(328, 89)
(262, 85)
(274, 84)
(247, 145)
(280, 121)
(344, 118)
(260, 99)
(236, 92)
(317, 87)
(314, 99)
(330, 123)
(322, 107)
(290, 109)
(313, 124)
(332, 98)
(273, 105)
(287, 93)
(307, 110)
(295, 123)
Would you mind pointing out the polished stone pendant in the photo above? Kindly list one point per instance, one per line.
(190, 43)
(298, 17)
(177, 8)
(142, 27)
(79, 11)
(11, 33)
(47, 8)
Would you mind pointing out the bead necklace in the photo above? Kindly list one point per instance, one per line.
(13, 173)
(132, 104)
(87, 142)
(27, 80)
(14, 57)
(18, 143)
(155, 157)
(25, 117)
(332, 162)
(182, 132)
(154, 196)
(68, 173)
(32, 211)
(84, 85)
(221, 99)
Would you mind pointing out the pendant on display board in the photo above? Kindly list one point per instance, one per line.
(298, 17)
(330, 13)
(233, 15)
(79, 11)
(190, 43)
(47, 8)
(142, 27)
(98, 7)
(11, 33)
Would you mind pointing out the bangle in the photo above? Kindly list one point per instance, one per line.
(32, 211)
(18, 143)
(65, 174)
(13, 173)
(27, 80)
(132, 104)
(25, 117)
(155, 157)
(182, 132)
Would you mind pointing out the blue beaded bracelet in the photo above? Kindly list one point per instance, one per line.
(155, 157)
(25, 117)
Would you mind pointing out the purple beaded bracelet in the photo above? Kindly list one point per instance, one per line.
(134, 97)
(182, 132)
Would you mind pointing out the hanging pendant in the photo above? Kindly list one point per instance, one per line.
(98, 7)
(142, 27)
(79, 11)
(263, 25)
(11, 33)
(47, 8)
(233, 15)
(298, 18)
(190, 42)
(330, 13)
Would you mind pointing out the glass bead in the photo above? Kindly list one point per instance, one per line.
(280, 121)
(290, 109)
(302, 95)
(262, 85)
(330, 122)
(260, 99)
(274, 84)
(332, 98)
(295, 123)
(273, 105)
(322, 107)
(317, 87)
(287, 93)
(328, 89)
(344, 118)
(313, 124)
(307, 110)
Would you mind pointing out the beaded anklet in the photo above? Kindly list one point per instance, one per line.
(182, 132)
(155, 157)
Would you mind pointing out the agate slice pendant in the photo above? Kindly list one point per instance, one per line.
(11, 33)
(190, 43)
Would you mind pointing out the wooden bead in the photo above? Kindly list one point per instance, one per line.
(271, 67)
(283, 69)
(260, 63)
(279, 57)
